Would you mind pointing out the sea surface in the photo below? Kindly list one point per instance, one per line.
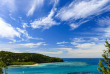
(70, 66)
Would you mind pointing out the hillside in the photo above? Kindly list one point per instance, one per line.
(11, 58)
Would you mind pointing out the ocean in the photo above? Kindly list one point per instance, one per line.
(70, 66)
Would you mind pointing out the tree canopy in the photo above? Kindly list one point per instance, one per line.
(104, 64)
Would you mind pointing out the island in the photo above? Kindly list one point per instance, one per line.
(11, 58)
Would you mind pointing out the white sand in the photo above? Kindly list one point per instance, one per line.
(25, 65)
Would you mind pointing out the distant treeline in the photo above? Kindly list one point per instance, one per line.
(9, 58)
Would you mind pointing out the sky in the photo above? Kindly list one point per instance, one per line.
(57, 28)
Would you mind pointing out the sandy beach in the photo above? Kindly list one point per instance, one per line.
(25, 65)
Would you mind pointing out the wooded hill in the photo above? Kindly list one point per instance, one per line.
(10, 58)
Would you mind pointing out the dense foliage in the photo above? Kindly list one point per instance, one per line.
(104, 64)
(9, 57)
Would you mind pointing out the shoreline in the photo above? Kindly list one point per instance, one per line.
(24, 65)
(31, 65)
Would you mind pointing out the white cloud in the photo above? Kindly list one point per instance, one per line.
(25, 35)
(74, 26)
(12, 17)
(105, 31)
(61, 42)
(35, 4)
(78, 40)
(104, 21)
(104, 26)
(82, 43)
(8, 4)
(46, 22)
(62, 45)
(95, 39)
(44, 52)
(25, 25)
(10, 49)
(94, 51)
(23, 32)
(85, 45)
(20, 30)
(32, 45)
(6, 30)
(21, 47)
(82, 9)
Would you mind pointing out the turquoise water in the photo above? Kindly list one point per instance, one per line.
(70, 66)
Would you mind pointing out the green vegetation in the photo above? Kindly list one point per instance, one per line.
(104, 64)
(10, 58)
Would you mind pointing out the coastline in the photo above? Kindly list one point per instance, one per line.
(24, 65)
(32, 65)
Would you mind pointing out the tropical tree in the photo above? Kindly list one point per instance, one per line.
(4, 62)
(2, 65)
(104, 64)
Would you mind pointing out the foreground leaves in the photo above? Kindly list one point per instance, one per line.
(104, 64)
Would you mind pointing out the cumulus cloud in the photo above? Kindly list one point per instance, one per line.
(6, 30)
(34, 4)
(46, 22)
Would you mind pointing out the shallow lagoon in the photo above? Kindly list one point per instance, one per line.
(70, 66)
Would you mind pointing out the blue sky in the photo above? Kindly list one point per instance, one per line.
(58, 28)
